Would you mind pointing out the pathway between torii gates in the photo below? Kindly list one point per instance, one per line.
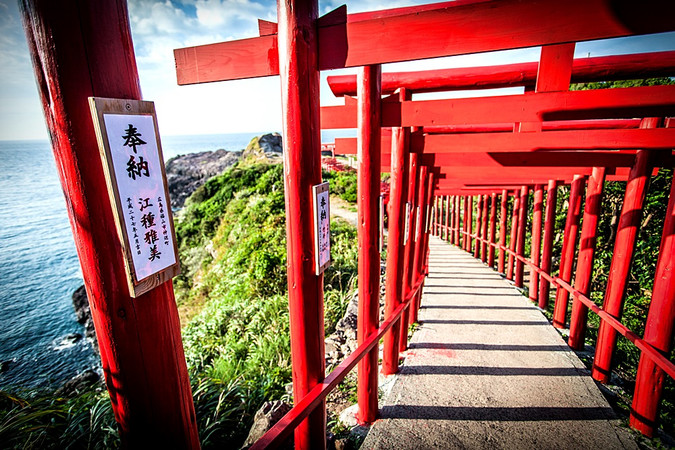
(487, 370)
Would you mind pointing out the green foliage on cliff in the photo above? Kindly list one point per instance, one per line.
(342, 184)
(239, 343)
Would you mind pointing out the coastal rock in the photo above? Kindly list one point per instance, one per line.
(83, 314)
(79, 384)
(4, 365)
(342, 342)
(266, 147)
(185, 173)
(265, 418)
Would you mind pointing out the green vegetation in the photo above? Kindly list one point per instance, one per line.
(342, 184)
(41, 420)
(232, 246)
(240, 340)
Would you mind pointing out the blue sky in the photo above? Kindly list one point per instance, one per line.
(237, 106)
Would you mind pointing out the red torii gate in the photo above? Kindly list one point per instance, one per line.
(307, 43)
(150, 390)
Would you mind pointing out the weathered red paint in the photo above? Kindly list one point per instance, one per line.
(520, 238)
(493, 228)
(502, 231)
(302, 169)
(555, 67)
(535, 246)
(584, 270)
(514, 233)
(568, 249)
(369, 235)
(624, 246)
(658, 330)
(547, 248)
(75, 47)
(394, 275)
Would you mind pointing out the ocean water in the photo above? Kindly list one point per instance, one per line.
(39, 269)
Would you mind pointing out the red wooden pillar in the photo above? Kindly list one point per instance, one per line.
(458, 200)
(582, 279)
(520, 240)
(369, 126)
(624, 246)
(451, 219)
(421, 235)
(502, 231)
(479, 221)
(447, 217)
(441, 215)
(568, 249)
(493, 223)
(424, 262)
(484, 230)
(658, 330)
(465, 223)
(298, 69)
(434, 211)
(394, 276)
(535, 252)
(75, 47)
(514, 232)
(547, 249)
(409, 252)
(470, 222)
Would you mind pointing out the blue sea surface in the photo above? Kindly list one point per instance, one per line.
(39, 268)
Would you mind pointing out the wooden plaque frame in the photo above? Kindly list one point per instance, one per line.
(99, 107)
(316, 191)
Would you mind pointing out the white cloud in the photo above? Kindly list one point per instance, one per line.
(159, 26)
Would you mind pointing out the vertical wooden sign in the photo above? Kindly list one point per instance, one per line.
(418, 224)
(381, 223)
(406, 232)
(128, 140)
(321, 227)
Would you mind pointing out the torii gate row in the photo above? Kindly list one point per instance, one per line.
(477, 140)
(302, 44)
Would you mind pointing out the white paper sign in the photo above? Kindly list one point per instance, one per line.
(406, 233)
(418, 224)
(138, 172)
(321, 227)
(381, 223)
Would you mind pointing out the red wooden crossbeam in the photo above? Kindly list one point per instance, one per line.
(554, 125)
(594, 158)
(605, 68)
(431, 31)
(657, 139)
(648, 101)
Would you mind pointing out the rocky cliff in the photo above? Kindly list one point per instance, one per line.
(185, 173)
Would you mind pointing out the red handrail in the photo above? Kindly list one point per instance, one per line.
(649, 350)
(277, 435)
